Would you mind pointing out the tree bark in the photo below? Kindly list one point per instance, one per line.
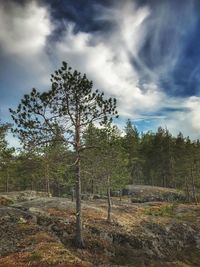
(194, 188)
(7, 181)
(79, 234)
(187, 189)
(47, 178)
(92, 188)
(109, 200)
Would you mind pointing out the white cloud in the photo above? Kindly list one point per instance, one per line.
(24, 36)
(24, 29)
(106, 61)
(104, 57)
(185, 117)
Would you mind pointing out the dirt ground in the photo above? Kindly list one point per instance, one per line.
(40, 232)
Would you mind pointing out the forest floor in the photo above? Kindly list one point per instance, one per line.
(39, 232)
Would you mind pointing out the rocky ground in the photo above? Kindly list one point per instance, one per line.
(37, 230)
(146, 193)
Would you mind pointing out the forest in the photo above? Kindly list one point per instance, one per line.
(127, 157)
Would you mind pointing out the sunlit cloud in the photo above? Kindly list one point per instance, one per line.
(135, 60)
(24, 29)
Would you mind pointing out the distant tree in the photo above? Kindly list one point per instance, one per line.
(28, 170)
(131, 144)
(7, 166)
(147, 156)
(180, 156)
(6, 156)
(106, 163)
(70, 105)
(3, 131)
(56, 160)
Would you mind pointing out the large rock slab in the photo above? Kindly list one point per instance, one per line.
(145, 193)
(19, 196)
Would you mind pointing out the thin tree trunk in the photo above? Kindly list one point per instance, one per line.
(7, 181)
(72, 195)
(47, 185)
(47, 178)
(79, 234)
(187, 189)
(58, 186)
(194, 188)
(32, 186)
(109, 200)
(152, 181)
(92, 186)
(79, 238)
(164, 180)
(120, 195)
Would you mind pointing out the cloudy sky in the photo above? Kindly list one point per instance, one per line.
(146, 53)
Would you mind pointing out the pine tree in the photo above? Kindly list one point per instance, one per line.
(71, 105)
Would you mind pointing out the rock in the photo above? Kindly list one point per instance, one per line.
(20, 196)
(132, 239)
(11, 230)
(144, 193)
(98, 196)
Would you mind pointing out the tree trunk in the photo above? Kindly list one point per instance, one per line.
(120, 195)
(164, 180)
(187, 189)
(92, 187)
(47, 178)
(58, 188)
(109, 200)
(32, 182)
(79, 234)
(79, 237)
(32, 186)
(194, 188)
(72, 194)
(7, 181)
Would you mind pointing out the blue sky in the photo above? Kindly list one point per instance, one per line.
(144, 53)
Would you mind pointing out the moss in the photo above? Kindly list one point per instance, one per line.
(165, 210)
(5, 201)
(35, 256)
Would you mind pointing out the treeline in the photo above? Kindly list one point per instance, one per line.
(113, 160)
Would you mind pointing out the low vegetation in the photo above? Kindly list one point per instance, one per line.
(141, 234)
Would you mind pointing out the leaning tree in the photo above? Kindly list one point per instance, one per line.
(70, 106)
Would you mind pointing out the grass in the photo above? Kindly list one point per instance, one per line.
(164, 210)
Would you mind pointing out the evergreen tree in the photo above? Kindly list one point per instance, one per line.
(131, 144)
(106, 163)
(70, 105)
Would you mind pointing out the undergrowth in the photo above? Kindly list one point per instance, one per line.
(167, 210)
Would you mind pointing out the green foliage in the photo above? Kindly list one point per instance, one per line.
(70, 103)
(35, 256)
(61, 115)
(131, 144)
(106, 159)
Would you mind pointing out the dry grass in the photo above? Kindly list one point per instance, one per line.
(45, 251)
(5, 201)
(42, 249)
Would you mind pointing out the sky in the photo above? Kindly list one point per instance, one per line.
(146, 53)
